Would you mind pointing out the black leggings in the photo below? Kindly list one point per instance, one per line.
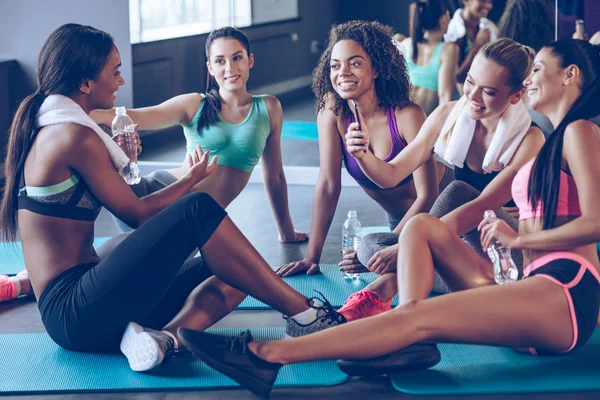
(145, 279)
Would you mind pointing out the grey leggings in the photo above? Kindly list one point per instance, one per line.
(151, 183)
(455, 195)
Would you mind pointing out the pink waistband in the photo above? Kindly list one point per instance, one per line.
(539, 262)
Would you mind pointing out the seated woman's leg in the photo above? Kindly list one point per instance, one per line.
(488, 314)
(133, 280)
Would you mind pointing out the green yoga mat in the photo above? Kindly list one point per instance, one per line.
(470, 369)
(39, 366)
(330, 282)
(300, 130)
(11, 256)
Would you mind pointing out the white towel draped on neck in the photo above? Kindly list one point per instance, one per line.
(59, 109)
(455, 138)
(456, 27)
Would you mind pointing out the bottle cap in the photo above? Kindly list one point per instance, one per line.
(489, 213)
(120, 111)
(352, 213)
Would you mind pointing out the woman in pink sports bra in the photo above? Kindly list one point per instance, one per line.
(554, 309)
(362, 64)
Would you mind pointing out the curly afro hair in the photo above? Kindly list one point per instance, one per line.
(392, 85)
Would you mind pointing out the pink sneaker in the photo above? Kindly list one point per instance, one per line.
(362, 304)
(8, 288)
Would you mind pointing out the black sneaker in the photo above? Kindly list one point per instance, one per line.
(411, 358)
(327, 317)
(230, 356)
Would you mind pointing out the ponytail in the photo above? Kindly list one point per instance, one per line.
(212, 99)
(426, 17)
(544, 180)
(417, 31)
(22, 133)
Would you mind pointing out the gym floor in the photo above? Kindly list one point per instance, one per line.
(250, 211)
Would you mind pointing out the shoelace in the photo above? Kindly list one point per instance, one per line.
(240, 343)
(326, 312)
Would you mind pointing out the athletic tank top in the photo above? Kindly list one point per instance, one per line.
(238, 146)
(425, 76)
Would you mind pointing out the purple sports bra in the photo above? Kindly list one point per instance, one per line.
(398, 144)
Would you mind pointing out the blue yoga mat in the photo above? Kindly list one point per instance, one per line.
(36, 365)
(300, 130)
(330, 282)
(11, 256)
(470, 369)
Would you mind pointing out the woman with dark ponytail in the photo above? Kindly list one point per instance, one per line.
(237, 128)
(431, 63)
(553, 310)
(61, 172)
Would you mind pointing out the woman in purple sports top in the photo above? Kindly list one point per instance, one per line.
(362, 65)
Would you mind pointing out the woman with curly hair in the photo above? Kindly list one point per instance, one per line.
(361, 65)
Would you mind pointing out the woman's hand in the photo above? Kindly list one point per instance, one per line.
(357, 141)
(494, 229)
(198, 166)
(297, 237)
(482, 37)
(384, 261)
(311, 267)
(350, 263)
(122, 141)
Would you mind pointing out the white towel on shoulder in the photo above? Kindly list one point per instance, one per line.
(456, 27)
(59, 109)
(456, 136)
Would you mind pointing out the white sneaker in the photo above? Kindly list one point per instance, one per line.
(145, 348)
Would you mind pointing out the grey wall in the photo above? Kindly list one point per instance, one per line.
(389, 12)
(25, 25)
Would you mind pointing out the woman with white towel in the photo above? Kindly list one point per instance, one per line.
(486, 136)
(61, 169)
(470, 29)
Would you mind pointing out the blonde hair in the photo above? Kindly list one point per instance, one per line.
(515, 57)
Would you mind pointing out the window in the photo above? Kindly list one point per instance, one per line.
(164, 19)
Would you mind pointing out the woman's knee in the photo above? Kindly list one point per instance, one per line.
(421, 224)
(453, 196)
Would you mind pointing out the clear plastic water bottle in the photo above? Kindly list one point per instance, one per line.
(123, 125)
(485, 23)
(505, 270)
(351, 234)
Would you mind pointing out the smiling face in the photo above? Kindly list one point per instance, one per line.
(104, 88)
(351, 71)
(545, 83)
(229, 63)
(478, 8)
(486, 89)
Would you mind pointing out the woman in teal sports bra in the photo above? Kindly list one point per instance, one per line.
(431, 63)
(232, 124)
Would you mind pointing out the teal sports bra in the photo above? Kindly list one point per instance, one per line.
(238, 146)
(426, 76)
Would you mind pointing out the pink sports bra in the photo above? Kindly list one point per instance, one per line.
(568, 199)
